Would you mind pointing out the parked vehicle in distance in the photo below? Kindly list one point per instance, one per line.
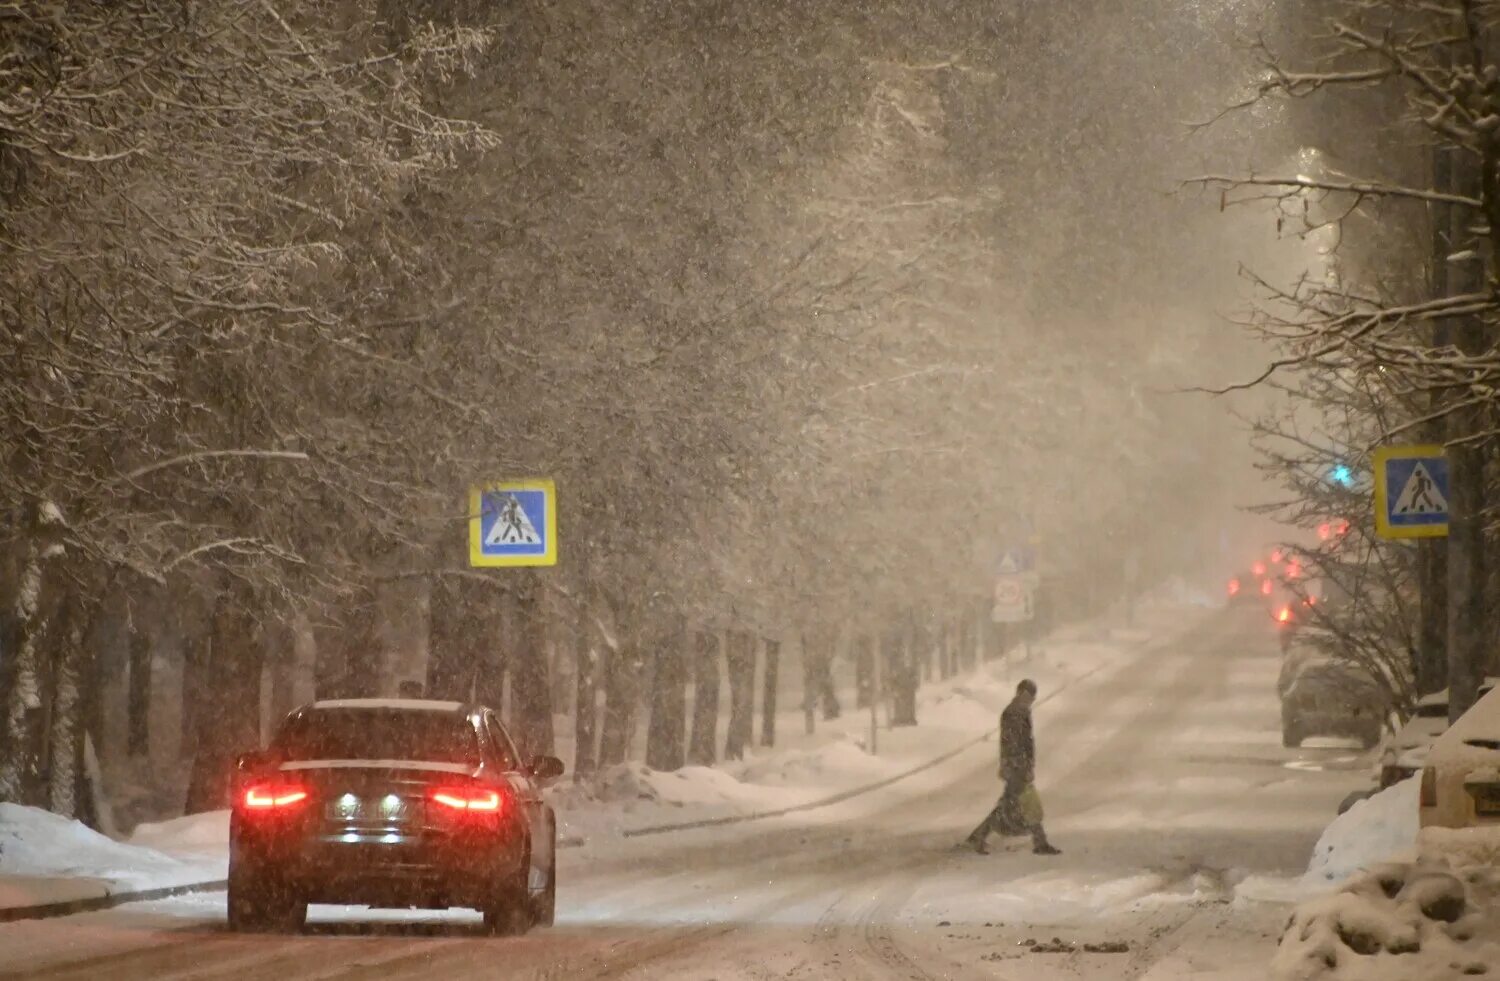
(1328, 697)
(400, 803)
(1406, 750)
(1461, 778)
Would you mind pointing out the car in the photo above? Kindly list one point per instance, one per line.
(1461, 776)
(1329, 697)
(1406, 750)
(398, 803)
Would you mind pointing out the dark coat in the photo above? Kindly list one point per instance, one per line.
(1017, 749)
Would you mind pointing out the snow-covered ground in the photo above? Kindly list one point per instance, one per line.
(1164, 780)
(48, 859)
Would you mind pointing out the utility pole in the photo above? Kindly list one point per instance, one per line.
(1466, 565)
(1430, 667)
(876, 657)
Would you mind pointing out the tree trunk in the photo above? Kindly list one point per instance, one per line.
(864, 670)
(622, 694)
(665, 744)
(704, 749)
(811, 686)
(827, 691)
(1430, 660)
(904, 673)
(281, 650)
(138, 696)
(453, 643)
(768, 694)
(65, 747)
(585, 711)
(230, 721)
(967, 657)
(531, 685)
(21, 738)
(946, 666)
(739, 656)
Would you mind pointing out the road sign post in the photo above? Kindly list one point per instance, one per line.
(1411, 492)
(513, 524)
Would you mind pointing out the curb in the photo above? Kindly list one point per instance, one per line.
(94, 903)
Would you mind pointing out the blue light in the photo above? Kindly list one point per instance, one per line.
(1342, 475)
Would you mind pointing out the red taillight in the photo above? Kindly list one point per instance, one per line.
(1293, 570)
(1325, 531)
(468, 799)
(1258, 568)
(1429, 787)
(1276, 556)
(1234, 587)
(1265, 587)
(269, 796)
(1285, 616)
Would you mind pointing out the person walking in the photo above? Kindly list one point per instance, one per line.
(1019, 810)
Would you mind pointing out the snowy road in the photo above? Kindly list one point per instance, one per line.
(1165, 783)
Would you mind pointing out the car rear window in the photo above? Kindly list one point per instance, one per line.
(378, 734)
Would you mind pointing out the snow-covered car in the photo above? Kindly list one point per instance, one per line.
(402, 803)
(1406, 750)
(1461, 778)
(1328, 697)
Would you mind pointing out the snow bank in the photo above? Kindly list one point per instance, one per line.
(1374, 830)
(45, 858)
(196, 833)
(1424, 919)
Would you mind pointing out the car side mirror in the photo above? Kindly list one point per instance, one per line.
(546, 768)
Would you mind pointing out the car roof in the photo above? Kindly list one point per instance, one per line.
(400, 704)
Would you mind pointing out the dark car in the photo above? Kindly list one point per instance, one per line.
(1326, 697)
(392, 803)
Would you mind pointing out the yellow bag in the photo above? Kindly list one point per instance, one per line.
(1030, 805)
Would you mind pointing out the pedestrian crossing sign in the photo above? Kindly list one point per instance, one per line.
(513, 523)
(1411, 492)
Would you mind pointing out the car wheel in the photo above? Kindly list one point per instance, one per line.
(250, 900)
(1370, 739)
(509, 912)
(1290, 737)
(544, 906)
(257, 902)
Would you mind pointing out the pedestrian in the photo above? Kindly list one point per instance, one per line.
(1019, 810)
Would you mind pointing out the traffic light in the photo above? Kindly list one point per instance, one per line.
(1341, 475)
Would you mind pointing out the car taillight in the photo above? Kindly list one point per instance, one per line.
(467, 799)
(1429, 787)
(1258, 568)
(272, 796)
(1285, 616)
(1265, 587)
(1234, 587)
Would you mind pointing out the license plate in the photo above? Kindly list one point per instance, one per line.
(1486, 801)
(383, 810)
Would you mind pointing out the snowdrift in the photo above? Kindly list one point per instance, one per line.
(1426, 919)
(1375, 830)
(45, 858)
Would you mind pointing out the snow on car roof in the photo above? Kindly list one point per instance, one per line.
(1481, 722)
(433, 765)
(412, 704)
